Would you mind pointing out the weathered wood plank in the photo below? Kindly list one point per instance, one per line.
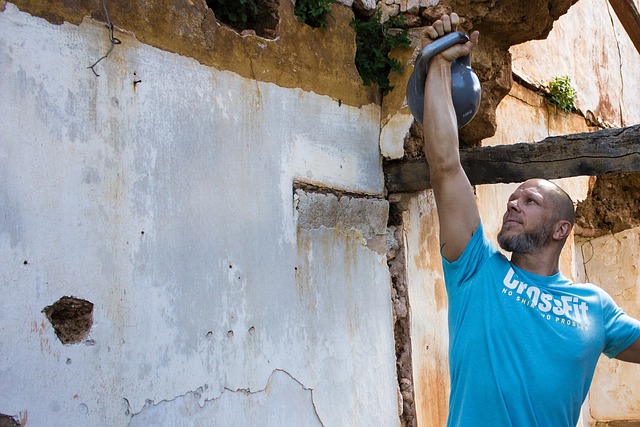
(589, 153)
(628, 14)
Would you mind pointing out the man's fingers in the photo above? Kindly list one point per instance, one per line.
(455, 20)
(431, 32)
(439, 27)
(474, 37)
(446, 23)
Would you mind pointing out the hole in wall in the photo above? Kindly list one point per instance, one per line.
(8, 421)
(611, 206)
(259, 17)
(71, 318)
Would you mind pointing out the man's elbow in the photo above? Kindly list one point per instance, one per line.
(444, 171)
(631, 353)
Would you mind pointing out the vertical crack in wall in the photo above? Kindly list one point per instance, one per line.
(401, 317)
(71, 318)
(615, 35)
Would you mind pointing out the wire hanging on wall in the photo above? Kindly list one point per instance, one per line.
(114, 40)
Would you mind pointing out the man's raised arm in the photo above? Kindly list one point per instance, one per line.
(454, 195)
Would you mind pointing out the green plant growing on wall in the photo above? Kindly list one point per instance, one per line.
(562, 94)
(236, 13)
(314, 12)
(374, 41)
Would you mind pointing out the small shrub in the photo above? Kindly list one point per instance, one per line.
(314, 12)
(562, 94)
(374, 41)
(235, 13)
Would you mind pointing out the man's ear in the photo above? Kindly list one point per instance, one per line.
(562, 230)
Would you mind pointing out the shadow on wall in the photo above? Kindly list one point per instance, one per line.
(249, 17)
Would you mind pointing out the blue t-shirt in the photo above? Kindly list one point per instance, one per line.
(523, 347)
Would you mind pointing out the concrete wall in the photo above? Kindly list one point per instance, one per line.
(162, 192)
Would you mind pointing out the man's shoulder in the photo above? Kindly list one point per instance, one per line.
(480, 258)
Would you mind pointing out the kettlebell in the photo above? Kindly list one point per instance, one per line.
(465, 86)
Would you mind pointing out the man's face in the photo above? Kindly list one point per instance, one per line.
(527, 224)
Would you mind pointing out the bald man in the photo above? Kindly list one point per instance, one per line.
(524, 340)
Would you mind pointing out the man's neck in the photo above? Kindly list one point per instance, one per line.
(539, 262)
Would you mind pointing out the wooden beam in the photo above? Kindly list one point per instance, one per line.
(627, 13)
(580, 154)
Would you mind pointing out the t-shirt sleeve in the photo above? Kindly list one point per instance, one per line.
(457, 272)
(621, 330)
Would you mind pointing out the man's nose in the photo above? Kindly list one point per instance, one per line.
(513, 204)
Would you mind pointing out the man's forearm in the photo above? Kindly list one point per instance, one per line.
(440, 125)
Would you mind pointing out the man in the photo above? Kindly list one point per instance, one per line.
(524, 340)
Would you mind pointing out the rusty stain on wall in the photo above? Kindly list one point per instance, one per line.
(436, 405)
(45, 344)
(431, 378)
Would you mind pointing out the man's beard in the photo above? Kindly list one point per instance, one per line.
(526, 242)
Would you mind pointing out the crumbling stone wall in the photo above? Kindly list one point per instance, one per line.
(401, 315)
(501, 25)
(611, 207)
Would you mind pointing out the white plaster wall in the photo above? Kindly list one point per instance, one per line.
(169, 205)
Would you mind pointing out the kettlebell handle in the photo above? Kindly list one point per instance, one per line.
(438, 46)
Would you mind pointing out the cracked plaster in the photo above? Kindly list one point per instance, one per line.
(283, 401)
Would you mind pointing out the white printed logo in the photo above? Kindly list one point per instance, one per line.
(569, 309)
